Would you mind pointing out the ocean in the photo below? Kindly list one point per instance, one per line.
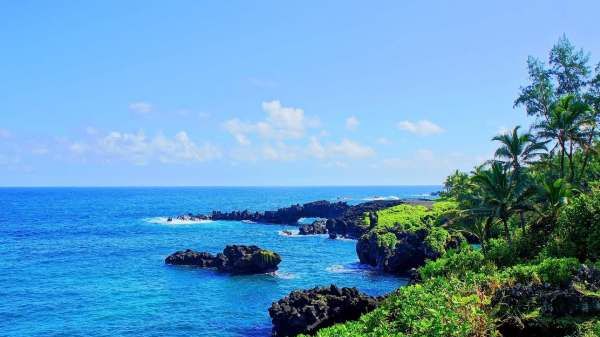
(90, 261)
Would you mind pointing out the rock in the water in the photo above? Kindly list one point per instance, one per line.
(234, 259)
(309, 310)
(191, 258)
(247, 260)
(317, 227)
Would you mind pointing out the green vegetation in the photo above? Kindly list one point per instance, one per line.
(403, 217)
(438, 307)
(267, 256)
(534, 207)
(387, 240)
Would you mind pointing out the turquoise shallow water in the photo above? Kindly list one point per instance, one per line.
(89, 261)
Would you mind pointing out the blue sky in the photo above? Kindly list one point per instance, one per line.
(266, 92)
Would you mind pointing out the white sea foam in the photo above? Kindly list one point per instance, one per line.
(163, 220)
(293, 231)
(285, 275)
(380, 198)
(349, 268)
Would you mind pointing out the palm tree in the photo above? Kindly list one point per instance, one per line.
(552, 195)
(516, 149)
(564, 125)
(500, 195)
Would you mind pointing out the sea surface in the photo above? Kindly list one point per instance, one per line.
(90, 261)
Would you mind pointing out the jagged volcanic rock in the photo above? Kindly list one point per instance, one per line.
(235, 259)
(309, 310)
(317, 227)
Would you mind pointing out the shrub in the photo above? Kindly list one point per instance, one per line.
(558, 271)
(500, 253)
(578, 229)
(387, 240)
(403, 216)
(439, 307)
(455, 263)
(437, 238)
(554, 271)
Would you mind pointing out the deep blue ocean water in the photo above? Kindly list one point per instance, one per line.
(89, 261)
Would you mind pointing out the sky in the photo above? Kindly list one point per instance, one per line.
(247, 93)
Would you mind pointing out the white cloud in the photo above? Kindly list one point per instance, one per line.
(422, 127)
(140, 149)
(346, 148)
(78, 148)
(280, 151)
(352, 123)
(141, 108)
(280, 123)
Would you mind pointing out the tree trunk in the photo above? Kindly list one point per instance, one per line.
(522, 218)
(507, 231)
(562, 159)
(571, 164)
(588, 151)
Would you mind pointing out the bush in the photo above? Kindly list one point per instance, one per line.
(436, 308)
(578, 229)
(554, 271)
(387, 240)
(455, 263)
(437, 238)
(558, 271)
(403, 216)
(500, 253)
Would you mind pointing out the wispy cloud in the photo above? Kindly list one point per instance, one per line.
(139, 149)
(141, 108)
(352, 123)
(346, 148)
(422, 127)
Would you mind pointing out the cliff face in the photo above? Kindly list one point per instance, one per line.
(351, 224)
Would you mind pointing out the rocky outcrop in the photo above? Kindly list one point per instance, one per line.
(409, 251)
(400, 251)
(189, 257)
(551, 302)
(309, 310)
(234, 259)
(189, 217)
(317, 227)
(351, 224)
(287, 215)
(343, 220)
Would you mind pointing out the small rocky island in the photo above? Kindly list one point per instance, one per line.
(235, 259)
(305, 312)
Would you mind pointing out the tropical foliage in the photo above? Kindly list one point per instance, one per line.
(534, 208)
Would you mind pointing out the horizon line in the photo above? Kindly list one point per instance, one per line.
(214, 186)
